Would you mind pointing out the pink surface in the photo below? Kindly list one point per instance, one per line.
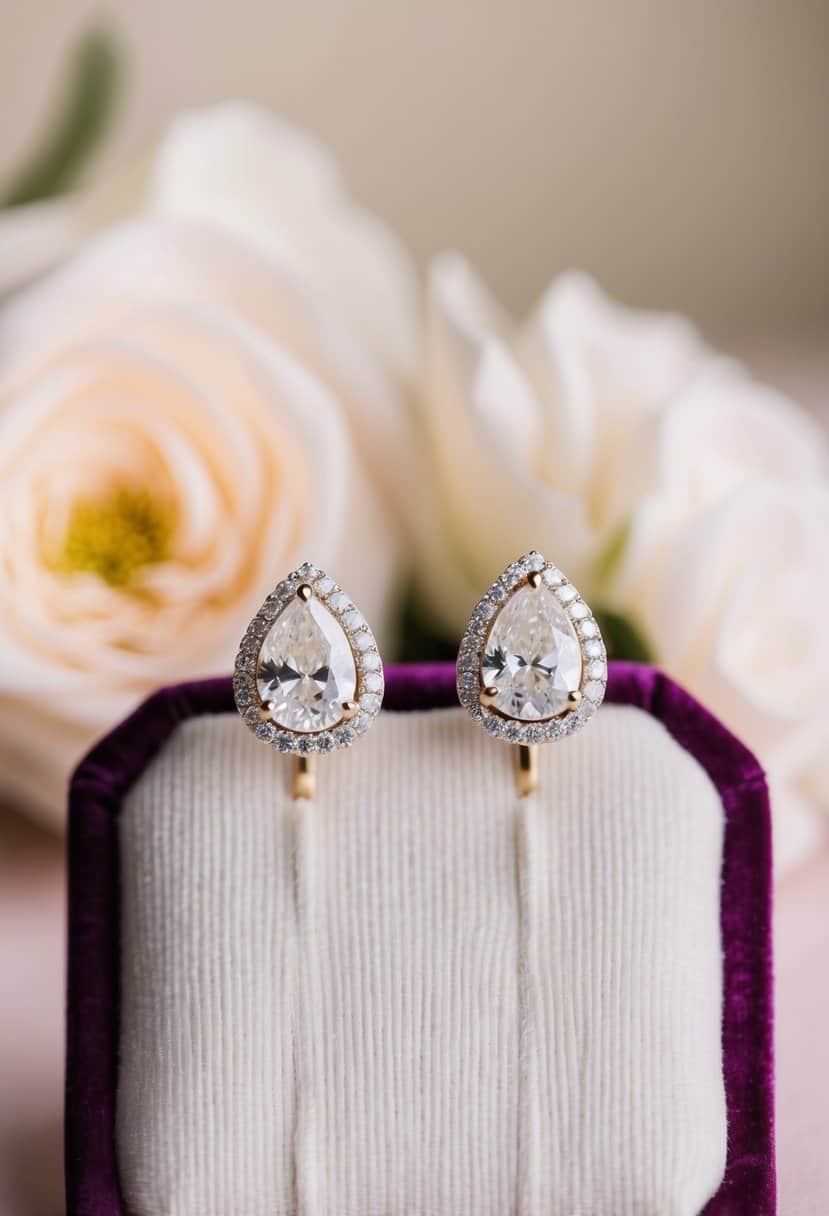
(32, 920)
(31, 1017)
(802, 943)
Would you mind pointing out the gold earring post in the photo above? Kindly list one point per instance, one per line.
(305, 777)
(526, 768)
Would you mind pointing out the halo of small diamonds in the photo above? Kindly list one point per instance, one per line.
(369, 667)
(473, 647)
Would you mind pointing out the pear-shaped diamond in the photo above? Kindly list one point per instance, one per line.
(532, 664)
(306, 667)
(532, 656)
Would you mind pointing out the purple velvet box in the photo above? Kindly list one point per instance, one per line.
(109, 770)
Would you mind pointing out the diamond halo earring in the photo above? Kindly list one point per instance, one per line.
(532, 664)
(308, 675)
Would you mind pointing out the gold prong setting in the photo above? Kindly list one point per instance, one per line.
(479, 699)
(305, 583)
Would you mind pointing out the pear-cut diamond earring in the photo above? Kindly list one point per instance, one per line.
(308, 674)
(532, 663)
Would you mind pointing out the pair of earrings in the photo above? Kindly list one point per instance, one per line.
(531, 666)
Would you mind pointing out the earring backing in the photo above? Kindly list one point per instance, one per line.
(532, 665)
(308, 675)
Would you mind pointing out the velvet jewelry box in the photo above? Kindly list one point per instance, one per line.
(95, 981)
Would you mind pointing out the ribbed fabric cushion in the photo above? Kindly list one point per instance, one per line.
(419, 995)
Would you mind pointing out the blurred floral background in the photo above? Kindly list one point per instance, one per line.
(445, 285)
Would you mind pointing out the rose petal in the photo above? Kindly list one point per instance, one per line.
(476, 397)
(238, 166)
(599, 369)
(721, 432)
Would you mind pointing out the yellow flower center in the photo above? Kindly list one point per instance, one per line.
(117, 537)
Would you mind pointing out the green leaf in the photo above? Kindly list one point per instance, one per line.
(622, 637)
(82, 118)
(420, 639)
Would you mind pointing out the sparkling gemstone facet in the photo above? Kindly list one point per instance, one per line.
(306, 668)
(532, 656)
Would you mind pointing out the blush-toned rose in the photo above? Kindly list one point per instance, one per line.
(176, 431)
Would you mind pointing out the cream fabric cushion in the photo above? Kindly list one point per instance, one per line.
(419, 995)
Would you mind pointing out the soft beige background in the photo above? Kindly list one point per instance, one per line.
(678, 150)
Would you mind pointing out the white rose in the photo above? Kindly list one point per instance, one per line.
(720, 430)
(663, 480)
(525, 422)
(731, 608)
(185, 412)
